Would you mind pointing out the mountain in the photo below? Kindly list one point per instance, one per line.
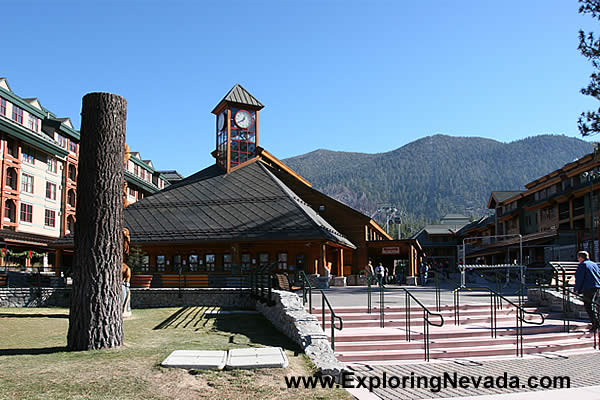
(438, 174)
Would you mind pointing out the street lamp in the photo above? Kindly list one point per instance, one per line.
(592, 176)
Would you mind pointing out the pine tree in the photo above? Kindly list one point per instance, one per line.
(589, 46)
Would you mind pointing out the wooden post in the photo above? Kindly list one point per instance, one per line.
(95, 319)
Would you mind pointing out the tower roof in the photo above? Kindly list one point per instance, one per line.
(239, 95)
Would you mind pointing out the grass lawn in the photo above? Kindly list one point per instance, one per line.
(34, 363)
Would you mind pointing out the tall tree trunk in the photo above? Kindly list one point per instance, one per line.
(95, 319)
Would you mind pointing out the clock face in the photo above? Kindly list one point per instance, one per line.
(221, 121)
(243, 119)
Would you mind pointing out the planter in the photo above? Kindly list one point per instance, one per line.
(141, 281)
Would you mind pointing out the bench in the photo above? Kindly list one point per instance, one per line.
(570, 267)
(3, 280)
(284, 283)
(172, 280)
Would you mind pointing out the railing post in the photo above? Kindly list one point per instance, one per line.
(332, 332)
(381, 306)
(368, 295)
(323, 309)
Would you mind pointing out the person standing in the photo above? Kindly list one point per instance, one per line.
(380, 273)
(587, 282)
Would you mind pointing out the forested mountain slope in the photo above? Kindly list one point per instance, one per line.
(438, 174)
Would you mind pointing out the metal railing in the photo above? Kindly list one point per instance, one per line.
(307, 289)
(496, 300)
(408, 297)
(520, 313)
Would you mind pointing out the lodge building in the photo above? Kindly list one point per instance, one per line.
(39, 155)
(250, 210)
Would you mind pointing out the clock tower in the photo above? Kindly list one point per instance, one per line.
(236, 128)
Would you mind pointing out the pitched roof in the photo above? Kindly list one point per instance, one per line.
(239, 95)
(250, 203)
(171, 176)
(498, 196)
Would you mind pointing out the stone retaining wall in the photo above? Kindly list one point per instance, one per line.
(34, 297)
(289, 316)
(554, 300)
(219, 297)
(140, 298)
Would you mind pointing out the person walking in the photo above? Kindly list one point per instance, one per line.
(587, 282)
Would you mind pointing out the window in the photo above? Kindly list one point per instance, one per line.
(193, 262)
(50, 191)
(72, 172)
(17, 114)
(27, 183)
(176, 263)
(282, 261)
(72, 146)
(131, 191)
(160, 263)
(70, 224)
(33, 123)
(145, 264)
(227, 260)
(71, 198)
(263, 259)
(26, 212)
(11, 178)
(136, 170)
(27, 155)
(11, 148)
(2, 106)
(52, 165)
(62, 141)
(9, 211)
(246, 262)
(50, 218)
(210, 262)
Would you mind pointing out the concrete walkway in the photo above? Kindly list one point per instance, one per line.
(581, 367)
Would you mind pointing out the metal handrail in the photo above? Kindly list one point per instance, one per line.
(407, 310)
(324, 300)
(306, 288)
(496, 302)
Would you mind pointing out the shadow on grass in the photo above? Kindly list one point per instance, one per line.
(32, 352)
(8, 315)
(255, 327)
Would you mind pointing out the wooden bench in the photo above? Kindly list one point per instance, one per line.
(284, 283)
(172, 280)
(570, 267)
(3, 280)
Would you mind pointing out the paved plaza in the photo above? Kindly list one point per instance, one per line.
(580, 367)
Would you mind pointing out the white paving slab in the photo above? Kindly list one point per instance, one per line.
(196, 359)
(261, 357)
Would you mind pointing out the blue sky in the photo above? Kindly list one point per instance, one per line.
(362, 76)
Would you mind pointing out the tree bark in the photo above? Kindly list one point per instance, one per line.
(95, 319)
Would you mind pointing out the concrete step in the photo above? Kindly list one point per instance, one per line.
(375, 309)
(461, 331)
(457, 342)
(461, 352)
